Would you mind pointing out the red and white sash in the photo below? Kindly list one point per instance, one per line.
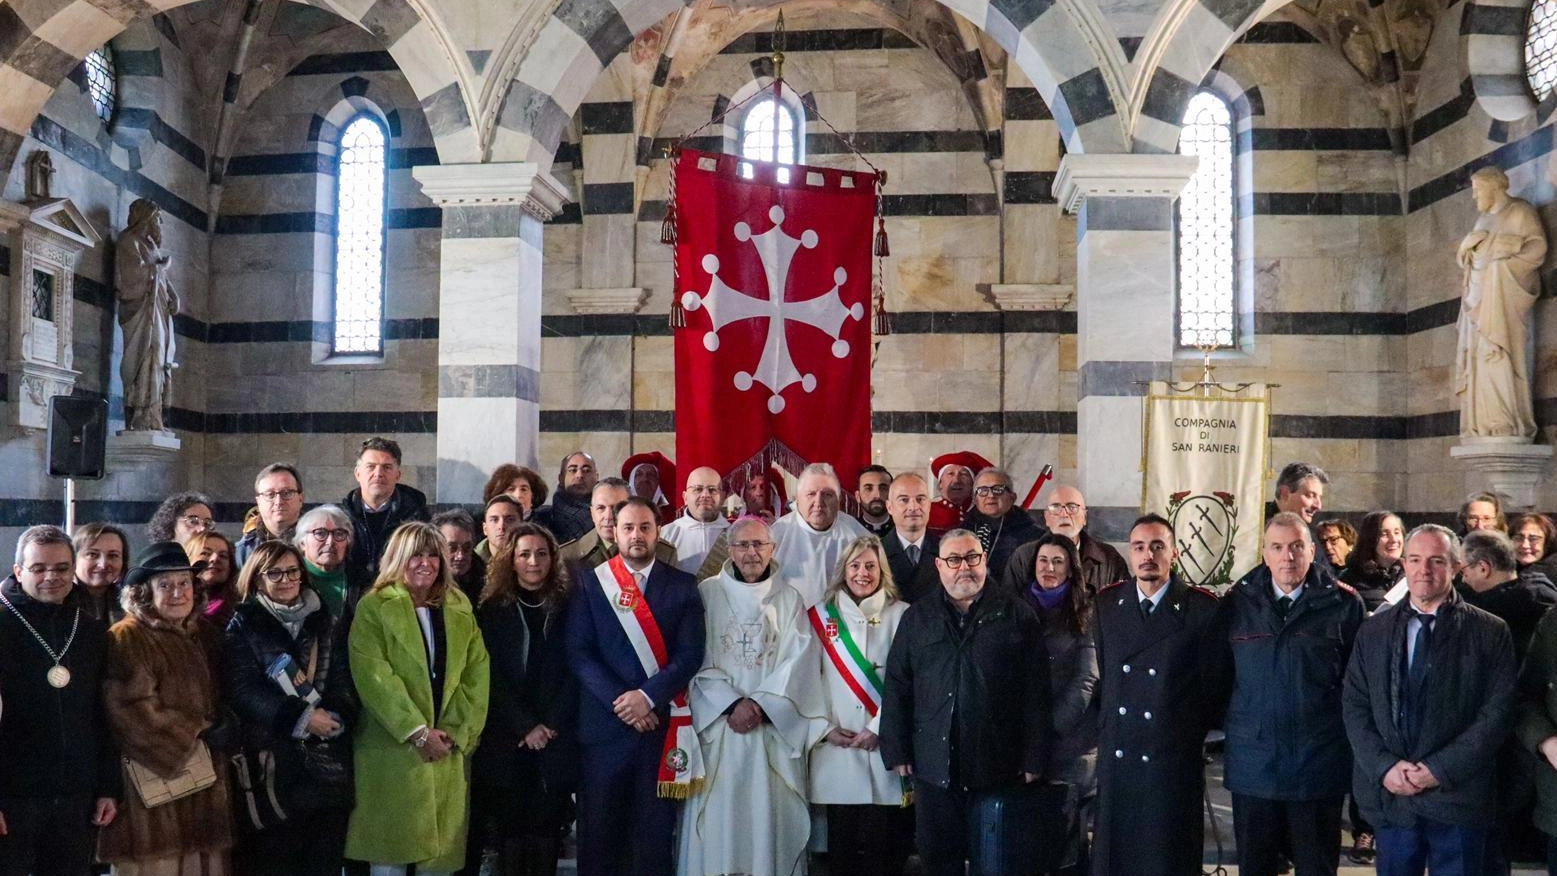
(857, 672)
(681, 763)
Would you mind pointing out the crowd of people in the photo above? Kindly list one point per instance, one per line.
(734, 684)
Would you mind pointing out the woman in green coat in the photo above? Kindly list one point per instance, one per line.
(421, 671)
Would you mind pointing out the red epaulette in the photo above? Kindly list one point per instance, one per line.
(1345, 587)
(1109, 587)
(1203, 591)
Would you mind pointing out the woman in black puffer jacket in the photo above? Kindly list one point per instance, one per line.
(289, 681)
(1374, 566)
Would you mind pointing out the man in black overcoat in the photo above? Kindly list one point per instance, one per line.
(1159, 675)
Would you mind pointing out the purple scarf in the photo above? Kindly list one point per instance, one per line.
(1049, 600)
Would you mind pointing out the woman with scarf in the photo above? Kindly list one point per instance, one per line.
(289, 679)
(1065, 610)
(218, 579)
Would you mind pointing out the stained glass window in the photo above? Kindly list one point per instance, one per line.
(102, 82)
(1541, 48)
(769, 130)
(359, 238)
(1206, 225)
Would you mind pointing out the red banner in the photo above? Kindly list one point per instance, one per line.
(773, 365)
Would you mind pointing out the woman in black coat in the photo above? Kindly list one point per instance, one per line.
(1374, 566)
(289, 681)
(522, 772)
(1054, 589)
(1535, 545)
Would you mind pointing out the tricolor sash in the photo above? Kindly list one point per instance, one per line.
(681, 763)
(846, 656)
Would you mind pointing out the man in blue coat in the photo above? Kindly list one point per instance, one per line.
(634, 640)
(1286, 631)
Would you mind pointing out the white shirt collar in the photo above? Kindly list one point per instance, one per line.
(1296, 591)
(643, 574)
(1156, 598)
(902, 539)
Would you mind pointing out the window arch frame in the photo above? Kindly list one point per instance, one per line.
(358, 115)
(1240, 234)
(748, 98)
(111, 71)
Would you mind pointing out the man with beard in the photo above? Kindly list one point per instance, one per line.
(872, 495)
(954, 481)
(599, 544)
(1066, 514)
(634, 639)
(966, 708)
(701, 523)
(1159, 674)
(568, 516)
(1000, 525)
(758, 707)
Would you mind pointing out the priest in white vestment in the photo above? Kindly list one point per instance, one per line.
(701, 523)
(758, 707)
(810, 540)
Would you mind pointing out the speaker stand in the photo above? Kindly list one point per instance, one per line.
(70, 506)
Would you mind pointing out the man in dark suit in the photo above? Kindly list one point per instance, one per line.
(625, 827)
(1287, 630)
(1158, 674)
(1428, 700)
(910, 548)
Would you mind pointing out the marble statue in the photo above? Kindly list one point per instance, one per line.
(40, 173)
(147, 304)
(1500, 257)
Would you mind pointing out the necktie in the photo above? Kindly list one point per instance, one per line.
(1417, 670)
(913, 554)
(1146, 608)
(1283, 605)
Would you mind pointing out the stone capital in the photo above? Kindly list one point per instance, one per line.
(1120, 176)
(1032, 296)
(524, 183)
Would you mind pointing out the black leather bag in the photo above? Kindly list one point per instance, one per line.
(1019, 831)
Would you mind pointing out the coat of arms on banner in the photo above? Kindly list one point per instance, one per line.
(1206, 531)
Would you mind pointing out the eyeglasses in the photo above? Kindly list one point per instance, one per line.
(749, 545)
(278, 495)
(995, 491)
(194, 522)
(56, 569)
(173, 586)
(276, 576)
(329, 534)
(955, 562)
(1530, 538)
(1065, 508)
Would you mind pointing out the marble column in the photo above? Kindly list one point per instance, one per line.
(489, 317)
(1124, 316)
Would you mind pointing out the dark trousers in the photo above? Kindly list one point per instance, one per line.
(943, 828)
(1360, 825)
(307, 844)
(47, 836)
(1266, 830)
(1430, 846)
(869, 840)
(1551, 856)
(624, 827)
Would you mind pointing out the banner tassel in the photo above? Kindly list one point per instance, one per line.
(678, 314)
(882, 322)
(882, 250)
(668, 227)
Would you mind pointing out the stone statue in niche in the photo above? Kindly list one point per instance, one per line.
(1500, 257)
(40, 173)
(147, 305)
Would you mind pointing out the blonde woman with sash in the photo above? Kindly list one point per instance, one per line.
(870, 825)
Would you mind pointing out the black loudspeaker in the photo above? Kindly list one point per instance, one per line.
(78, 436)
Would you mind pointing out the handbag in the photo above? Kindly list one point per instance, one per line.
(197, 774)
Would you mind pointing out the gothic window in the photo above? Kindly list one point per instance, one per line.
(769, 133)
(359, 237)
(1206, 224)
(102, 82)
(1541, 48)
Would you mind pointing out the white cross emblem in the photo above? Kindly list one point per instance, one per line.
(827, 312)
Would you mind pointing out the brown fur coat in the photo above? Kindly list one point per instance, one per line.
(160, 693)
